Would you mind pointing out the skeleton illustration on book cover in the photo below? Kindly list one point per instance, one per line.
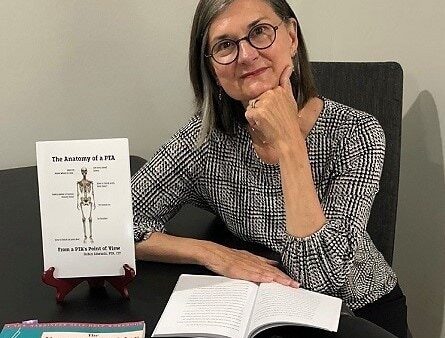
(86, 203)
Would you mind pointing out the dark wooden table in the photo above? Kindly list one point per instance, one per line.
(24, 296)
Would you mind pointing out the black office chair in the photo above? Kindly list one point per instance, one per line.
(377, 88)
(136, 162)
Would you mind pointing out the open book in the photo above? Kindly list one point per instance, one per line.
(215, 306)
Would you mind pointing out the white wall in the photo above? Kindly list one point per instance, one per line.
(112, 68)
(92, 69)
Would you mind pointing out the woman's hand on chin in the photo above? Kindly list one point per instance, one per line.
(241, 264)
(273, 116)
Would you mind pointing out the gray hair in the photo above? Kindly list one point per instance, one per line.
(216, 108)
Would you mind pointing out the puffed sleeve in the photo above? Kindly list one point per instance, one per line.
(167, 182)
(322, 261)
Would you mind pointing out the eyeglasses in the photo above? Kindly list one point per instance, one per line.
(261, 36)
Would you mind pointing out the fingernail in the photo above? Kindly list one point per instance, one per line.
(295, 284)
(292, 283)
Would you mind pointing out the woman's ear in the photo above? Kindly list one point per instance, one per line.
(212, 72)
(292, 28)
(216, 80)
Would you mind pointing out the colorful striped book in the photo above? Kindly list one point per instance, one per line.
(33, 329)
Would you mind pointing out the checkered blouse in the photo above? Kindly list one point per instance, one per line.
(346, 149)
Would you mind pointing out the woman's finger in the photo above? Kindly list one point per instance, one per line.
(265, 269)
(258, 274)
(245, 265)
(285, 79)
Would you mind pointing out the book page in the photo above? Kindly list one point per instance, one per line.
(207, 305)
(279, 304)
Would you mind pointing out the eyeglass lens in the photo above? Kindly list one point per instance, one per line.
(260, 36)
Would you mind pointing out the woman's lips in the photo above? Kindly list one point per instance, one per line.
(254, 73)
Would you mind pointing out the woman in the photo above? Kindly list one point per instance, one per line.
(280, 165)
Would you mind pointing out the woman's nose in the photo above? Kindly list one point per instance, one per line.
(246, 52)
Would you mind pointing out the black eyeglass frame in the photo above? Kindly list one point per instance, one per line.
(247, 38)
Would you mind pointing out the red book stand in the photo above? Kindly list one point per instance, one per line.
(65, 285)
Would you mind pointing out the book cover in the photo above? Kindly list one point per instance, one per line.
(72, 330)
(85, 207)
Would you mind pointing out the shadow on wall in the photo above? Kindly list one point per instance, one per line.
(420, 241)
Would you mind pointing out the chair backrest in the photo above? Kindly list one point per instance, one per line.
(136, 162)
(374, 87)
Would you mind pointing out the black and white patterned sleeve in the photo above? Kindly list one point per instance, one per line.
(322, 261)
(167, 182)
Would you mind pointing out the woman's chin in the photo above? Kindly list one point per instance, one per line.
(250, 92)
(256, 91)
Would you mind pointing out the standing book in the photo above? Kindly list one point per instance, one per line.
(215, 306)
(85, 207)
